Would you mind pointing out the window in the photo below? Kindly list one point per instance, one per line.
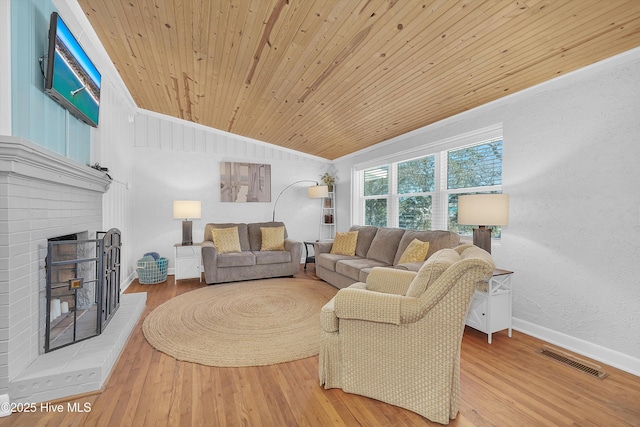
(422, 193)
(416, 184)
(376, 190)
(472, 170)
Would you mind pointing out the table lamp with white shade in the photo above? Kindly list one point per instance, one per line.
(483, 210)
(187, 210)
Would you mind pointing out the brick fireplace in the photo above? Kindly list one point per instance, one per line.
(44, 195)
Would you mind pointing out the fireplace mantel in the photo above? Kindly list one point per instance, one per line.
(21, 157)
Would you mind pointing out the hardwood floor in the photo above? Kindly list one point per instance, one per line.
(503, 384)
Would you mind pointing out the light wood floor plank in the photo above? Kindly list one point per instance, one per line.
(506, 383)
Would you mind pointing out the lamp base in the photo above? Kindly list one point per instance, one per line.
(187, 238)
(482, 238)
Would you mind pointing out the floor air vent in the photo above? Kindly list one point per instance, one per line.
(574, 362)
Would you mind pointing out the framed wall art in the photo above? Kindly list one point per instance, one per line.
(245, 182)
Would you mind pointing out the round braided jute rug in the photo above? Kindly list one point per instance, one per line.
(253, 323)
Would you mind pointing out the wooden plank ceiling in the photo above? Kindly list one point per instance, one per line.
(330, 77)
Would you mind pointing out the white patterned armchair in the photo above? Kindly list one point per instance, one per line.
(397, 337)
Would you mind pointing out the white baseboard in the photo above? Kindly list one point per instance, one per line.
(593, 351)
(127, 281)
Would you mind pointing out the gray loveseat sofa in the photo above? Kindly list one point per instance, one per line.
(376, 247)
(250, 262)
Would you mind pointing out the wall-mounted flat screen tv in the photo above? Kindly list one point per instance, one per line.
(71, 79)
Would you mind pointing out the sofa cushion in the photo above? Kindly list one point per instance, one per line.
(438, 239)
(385, 244)
(351, 267)
(416, 251)
(366, 233)
(226, 239)
(345, 243)
(243, 233)
(272, 238)
(255, 234)
(431, 270)
(236, 259)
(272, 257)
(328, 261)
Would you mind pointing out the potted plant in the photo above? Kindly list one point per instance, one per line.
(329, 180)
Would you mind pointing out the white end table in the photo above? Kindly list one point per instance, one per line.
(188, 261)
(490, 309)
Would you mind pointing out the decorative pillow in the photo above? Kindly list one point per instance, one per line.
(416, 251)
(226, 239)
(345, 243)
(272, 238)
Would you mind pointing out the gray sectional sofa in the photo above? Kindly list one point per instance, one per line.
(376, 247)
(250, 262)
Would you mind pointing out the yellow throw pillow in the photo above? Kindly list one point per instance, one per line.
(226, 239)
(272, 239)
(345, 243)
(416, 251)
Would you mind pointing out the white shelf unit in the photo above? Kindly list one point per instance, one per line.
(188, 261)
(328, 216)
(490, 309)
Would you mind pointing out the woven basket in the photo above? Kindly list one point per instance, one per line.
(152, 271)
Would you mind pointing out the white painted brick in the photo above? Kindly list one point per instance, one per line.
(31, 211)
(18, 358)
(16, 238)
(18, 283)
(19, 330)
(19, 273)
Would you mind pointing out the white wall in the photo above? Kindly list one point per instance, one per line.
(112, 142)
(113, 149)
(179, 160)
(571, 153)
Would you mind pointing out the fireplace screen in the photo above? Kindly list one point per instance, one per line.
(83, 287)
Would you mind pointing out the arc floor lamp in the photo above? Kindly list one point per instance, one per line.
(316, 191)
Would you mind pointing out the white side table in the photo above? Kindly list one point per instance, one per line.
(188, 261)
(490, 309)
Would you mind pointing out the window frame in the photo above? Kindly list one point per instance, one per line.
(441, 193)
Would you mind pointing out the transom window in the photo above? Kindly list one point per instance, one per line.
(422, 193)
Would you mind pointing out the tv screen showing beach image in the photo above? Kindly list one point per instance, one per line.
(75, 78)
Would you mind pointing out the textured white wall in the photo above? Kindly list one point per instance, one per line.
(571, 153)
(571, 167)
(178, 160)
